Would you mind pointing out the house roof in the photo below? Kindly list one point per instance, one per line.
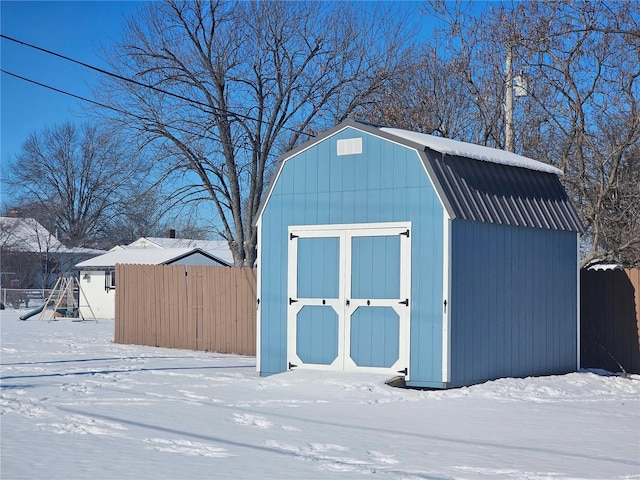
(217, 248)
(141, 256)
(475, 182)
(28, 235)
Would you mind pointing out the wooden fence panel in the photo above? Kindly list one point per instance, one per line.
(173, 321)
(224, 339)
(610, 319)
(246, 307)
(195, 307)
(120, 301)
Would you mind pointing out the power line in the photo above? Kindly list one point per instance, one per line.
(119, 77)
(140, 84)
(84, 99)
(119, 110)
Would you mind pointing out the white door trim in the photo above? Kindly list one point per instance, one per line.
(446, 299)
(345, 233)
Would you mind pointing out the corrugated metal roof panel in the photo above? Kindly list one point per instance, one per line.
(504, 194)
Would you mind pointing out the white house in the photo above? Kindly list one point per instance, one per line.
(97, 275)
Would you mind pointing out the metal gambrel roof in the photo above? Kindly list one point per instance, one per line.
(476, 182)
(496, 193)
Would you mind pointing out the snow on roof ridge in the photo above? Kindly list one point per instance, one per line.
(218, 248)
(162, 241)
(470, 150)
(605, 266)
(149, 256)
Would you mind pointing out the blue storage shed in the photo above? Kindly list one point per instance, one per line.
(385, 250)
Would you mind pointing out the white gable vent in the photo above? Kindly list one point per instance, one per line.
(349, 146)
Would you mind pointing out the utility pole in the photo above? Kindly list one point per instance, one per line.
(509, 134)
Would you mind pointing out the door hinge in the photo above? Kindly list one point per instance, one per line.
(291, 365)
(406, 233)
(292, 300)
(404, 371)
(405, 302)
(292, 236)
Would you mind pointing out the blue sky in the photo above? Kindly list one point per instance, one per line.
(75, 29)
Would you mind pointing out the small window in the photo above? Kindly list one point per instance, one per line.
(109, 280)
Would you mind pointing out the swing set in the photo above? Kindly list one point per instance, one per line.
(64, 302)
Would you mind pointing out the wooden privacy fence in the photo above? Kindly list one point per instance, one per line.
(610, 319)
(191, 307)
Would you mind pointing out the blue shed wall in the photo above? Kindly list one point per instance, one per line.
(386, 183)
(513, 302)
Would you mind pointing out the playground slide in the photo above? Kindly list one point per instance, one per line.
(33, 312)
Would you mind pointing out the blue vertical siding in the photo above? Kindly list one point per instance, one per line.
(426, 287)
(318, 264)
(374, 336)
(513, 302)
(375, 267)
(317, 334)
(386, 183)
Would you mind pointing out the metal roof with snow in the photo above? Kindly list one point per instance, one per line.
(476, 182)
(456, 148)
(494, 192)
(494, 186)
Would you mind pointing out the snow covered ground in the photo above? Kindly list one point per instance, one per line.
(77, 406)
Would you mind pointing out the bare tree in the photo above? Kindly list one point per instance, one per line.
(428, 97)
(456, 87)
(77, 179)
(224, 87)
(144, 216)
(585, 56)
(474, 47)
(580, 113)
(620, 223)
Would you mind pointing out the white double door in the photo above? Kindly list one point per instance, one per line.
(349, 297)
